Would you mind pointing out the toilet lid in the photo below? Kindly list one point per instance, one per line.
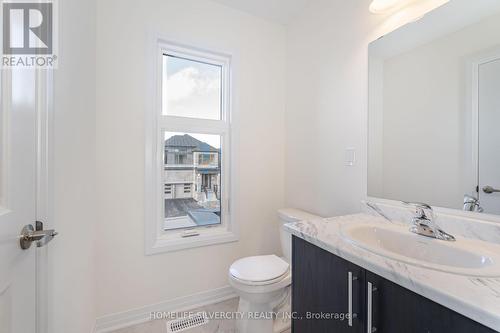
(259, 268)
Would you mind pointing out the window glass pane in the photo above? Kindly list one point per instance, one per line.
(191, 89)
(192, 180)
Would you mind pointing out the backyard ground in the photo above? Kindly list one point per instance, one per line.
(180, 207)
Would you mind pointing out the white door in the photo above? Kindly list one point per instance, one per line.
(18, 147)
(489, 136)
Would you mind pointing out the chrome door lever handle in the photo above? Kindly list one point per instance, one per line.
(47, 237)
(30, 235)
(489, 190)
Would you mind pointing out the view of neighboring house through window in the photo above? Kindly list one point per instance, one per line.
(193, 91)
(192, 180)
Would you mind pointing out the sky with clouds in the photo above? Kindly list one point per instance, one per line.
(192, 89)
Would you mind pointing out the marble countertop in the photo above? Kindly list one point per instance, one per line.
(474, 297)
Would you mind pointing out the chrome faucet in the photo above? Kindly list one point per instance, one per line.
(423, 222)
(472, 204)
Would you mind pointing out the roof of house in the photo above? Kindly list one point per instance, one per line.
(187, 140)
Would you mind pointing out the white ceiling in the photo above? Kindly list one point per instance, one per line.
(281, 11)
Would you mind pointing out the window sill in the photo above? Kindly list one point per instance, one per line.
(175, 242)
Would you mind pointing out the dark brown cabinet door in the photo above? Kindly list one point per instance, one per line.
(395, 309)
(322, 284)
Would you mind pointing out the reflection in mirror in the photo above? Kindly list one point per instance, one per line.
(434, 111)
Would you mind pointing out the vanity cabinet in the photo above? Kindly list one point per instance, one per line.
(326, 284)
(322, 285)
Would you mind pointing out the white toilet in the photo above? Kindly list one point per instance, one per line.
(263, 283)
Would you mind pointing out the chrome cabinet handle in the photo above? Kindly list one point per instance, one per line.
(351, 315)
(489, 190)
(369, 301)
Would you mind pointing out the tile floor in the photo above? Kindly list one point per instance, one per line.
(214, 326)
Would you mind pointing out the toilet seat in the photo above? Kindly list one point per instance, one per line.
(259, 270)
(255, 288)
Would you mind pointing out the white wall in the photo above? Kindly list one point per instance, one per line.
(72, 253)
(327, 89)
(326, 105)
(126, 278)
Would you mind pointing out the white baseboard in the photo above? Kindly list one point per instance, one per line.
(128, 318)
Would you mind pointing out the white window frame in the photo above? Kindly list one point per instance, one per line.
(158, 240)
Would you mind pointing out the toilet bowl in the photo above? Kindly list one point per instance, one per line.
(263, 284)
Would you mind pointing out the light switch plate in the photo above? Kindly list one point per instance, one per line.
(350, 156)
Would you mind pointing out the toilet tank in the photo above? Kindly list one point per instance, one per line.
(288, 215)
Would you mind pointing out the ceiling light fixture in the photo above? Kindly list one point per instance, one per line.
(386, 6)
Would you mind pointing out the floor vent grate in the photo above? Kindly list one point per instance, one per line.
(182, 324)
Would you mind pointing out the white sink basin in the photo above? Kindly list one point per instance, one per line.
(464, 257)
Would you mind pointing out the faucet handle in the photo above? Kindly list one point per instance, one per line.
(424, 224)
(423, 210)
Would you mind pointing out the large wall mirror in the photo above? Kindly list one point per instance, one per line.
(434, 109)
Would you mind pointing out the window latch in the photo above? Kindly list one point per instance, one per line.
(189, 233)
